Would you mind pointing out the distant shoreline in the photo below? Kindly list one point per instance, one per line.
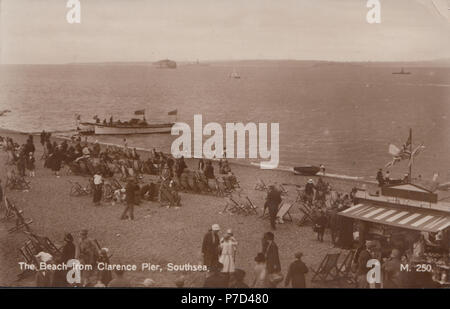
(294, 62)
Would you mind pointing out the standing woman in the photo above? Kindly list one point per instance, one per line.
(98, 188)
(228, 248)
(260, 269)
(57, 157)
(30, 164)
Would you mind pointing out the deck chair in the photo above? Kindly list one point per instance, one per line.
(231, 205)
(282, 189)
(9, 213)
(29, 252)
(260, 185)
(265, 214)
(346, 265)
(43, 243)
(251, 208)
(327, 268)
(283, 211)
(308, 212)
(21, 222)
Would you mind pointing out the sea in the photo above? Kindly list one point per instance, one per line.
(342, 115)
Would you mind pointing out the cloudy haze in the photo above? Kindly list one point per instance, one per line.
(147, 30)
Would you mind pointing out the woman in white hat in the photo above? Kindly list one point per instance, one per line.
(228, 247)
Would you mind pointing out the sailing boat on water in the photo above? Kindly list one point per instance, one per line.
(402, 72)
(235, 74)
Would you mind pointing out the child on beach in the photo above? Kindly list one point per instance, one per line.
(30, 165)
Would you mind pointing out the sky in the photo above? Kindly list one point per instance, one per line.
(186, 30)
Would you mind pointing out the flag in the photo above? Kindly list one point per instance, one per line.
(95, 117)
(394, 150)
(415, 152)
(174, 112)
(140, 112)
(435, 177)
(399, 154)
(78, 117)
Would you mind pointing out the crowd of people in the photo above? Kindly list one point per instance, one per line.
(219, 254)
(89, 254)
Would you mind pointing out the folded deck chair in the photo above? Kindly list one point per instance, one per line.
(21, 222)
(327, 268)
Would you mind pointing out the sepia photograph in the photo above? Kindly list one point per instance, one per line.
(225, 144)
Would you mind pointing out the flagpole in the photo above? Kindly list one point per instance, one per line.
(410, 155)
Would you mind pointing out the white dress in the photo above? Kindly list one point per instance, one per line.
(227, 257)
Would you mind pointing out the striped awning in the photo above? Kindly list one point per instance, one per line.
(415, 219)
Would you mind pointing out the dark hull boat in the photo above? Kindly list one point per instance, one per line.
(307, 170)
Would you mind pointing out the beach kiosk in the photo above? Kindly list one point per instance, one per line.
(407, 217)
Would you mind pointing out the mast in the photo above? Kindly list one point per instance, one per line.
(410, 155)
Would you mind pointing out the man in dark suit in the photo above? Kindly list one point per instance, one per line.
(272, 258)
(210, 246)
(273, 200)
(296, 273)
(130, 191)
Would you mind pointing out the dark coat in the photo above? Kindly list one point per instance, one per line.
(309, 188)
(216, 280)
(272, 258)
(296, 274)
(321, 222)
(180, 167)
(209, 171)
(68, 252)
(30, 163)
(273, 198)
(210, 249)
(392, 276)
(130, 190)
(364, 256)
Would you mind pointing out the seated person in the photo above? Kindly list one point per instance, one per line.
(119, 196)
(209, 171)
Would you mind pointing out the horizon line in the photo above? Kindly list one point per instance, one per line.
(236, 60)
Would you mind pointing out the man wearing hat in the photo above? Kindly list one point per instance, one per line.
(68, 253)
(273, 200)
(391, 271)
(87, 253)
(130, 191)
(380, 177)
(309, 191)
(364, 256)
(210, 246)
(273, 264)
(296, 273)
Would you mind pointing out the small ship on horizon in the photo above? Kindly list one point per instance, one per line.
(402, 72)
